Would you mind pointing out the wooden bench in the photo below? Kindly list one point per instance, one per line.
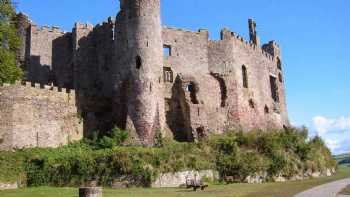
(192, 183)
(229, 179)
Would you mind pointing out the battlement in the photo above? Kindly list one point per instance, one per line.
(24, 17)
(272, 48)
(36, 117)
(199, 32)
(41, 87)
(274, 43)
(23, 14)
(110, 21)
(47, 29)
(226, 34)
(87, 26)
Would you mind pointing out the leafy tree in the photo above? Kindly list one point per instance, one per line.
(9, 43)
(115, 138)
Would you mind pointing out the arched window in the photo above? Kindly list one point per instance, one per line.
(266, 109)
(245, 76)
(279, 63)
(138, 62)
(280, 78)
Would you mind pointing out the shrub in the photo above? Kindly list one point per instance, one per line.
(235, 154)
(113, 138)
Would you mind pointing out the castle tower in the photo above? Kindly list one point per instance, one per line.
(252, 32)
(23, 24)
(142, 67)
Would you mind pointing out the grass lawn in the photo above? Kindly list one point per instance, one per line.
(288, 189)
(345, 191)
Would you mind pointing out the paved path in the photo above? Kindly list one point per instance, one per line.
(327, 190)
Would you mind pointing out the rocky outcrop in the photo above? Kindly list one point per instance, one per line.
(6, 186)
(178, 179)
(263, 177)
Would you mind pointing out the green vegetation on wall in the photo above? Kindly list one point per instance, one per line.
(237, 154)
(9, 43)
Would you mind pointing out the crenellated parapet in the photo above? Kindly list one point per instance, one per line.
(50, 90)
(227, 35)
(199, 32)
(87, 26)
(37, 116)
(47, 29)
(272, 48)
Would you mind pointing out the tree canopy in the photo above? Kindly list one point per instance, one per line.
(9, 43)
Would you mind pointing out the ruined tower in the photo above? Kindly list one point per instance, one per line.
(22, 24)
(140, 64)
(252, 32)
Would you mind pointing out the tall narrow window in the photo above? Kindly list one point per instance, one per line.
(251, 104)
(168, 74)
(245, 76)
(266, 109)
(274, 89)
(279, 63)
(138, 62)
(193, 92)
(167, 50)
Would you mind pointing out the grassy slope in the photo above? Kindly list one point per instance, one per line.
(244, 190)
(345, 191)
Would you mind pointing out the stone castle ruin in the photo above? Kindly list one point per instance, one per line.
(136, 74)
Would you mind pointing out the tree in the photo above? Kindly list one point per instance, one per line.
(9, 43)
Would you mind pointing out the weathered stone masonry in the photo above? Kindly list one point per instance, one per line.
(133, 73)
(34, 116)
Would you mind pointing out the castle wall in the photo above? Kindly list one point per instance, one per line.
(260, 65)
(189, 51)
(93, 70)
(189, 58)
(48, 46)
(191, 88)
(103, 36)
(35, 117)
(83, 56)
(216, 69)
(62, 61)
(220, 65)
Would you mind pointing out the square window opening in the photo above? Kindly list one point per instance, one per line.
(167, 50)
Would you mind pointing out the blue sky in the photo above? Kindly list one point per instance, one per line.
(314, 36)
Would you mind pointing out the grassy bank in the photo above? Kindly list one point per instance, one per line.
(287, 189)
(345, 191)
(276, 153)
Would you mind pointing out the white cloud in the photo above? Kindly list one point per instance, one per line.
(335, 132)
(324, 125)
(333, 144)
